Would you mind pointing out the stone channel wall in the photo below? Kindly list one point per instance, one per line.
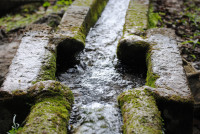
(166, 78)
(75, 25)
(32, 72)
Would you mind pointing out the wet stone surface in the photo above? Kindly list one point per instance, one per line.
(27, 63)
(97, 78)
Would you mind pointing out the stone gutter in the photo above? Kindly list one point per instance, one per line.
(32, 72)
(166, 79)
(75, 25)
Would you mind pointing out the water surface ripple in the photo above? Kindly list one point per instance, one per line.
(98, 78)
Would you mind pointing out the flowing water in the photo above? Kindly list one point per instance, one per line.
(97, 78)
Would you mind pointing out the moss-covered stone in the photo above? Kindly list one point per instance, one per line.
(136, 16)
(75, 24)
(51, 111)
(165, 73)
(151, 77)
(48, 69)
(140, 112)
(131, 48)
(153, 18)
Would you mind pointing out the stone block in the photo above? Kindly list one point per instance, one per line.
(51, 111)
(33, 61)
(75, 24)
(140, 112)
(135, 24)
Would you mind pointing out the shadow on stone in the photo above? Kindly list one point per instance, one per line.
(132, 52)
(172, 113)
(67, 52)
(11, 107)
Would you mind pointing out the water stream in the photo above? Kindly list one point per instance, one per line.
(97, 77)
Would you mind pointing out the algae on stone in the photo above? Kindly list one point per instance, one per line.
(48, 69)
(75, 24)
(153, 18)
(131, 48)
(136, 16)
(140, 112)
(51, 111)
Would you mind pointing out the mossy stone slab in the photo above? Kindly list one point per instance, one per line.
(51, 111)
(135, 23)
(75, 24)
(140, 112)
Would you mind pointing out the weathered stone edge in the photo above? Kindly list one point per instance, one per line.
(77, 34)
(135, 24)
(140, 112)
(51, 110)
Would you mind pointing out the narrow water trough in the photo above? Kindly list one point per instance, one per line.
(104, 62)
(96, 77)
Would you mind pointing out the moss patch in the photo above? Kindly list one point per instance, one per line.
(151, 77)
(136, 16)
(140, 113)
(28, 14)
(51, 111)
(153, 18)
(48, 69)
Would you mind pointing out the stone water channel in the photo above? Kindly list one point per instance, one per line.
(96, 77)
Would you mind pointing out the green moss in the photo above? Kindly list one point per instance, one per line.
(153, 18)
(95, 12)
(136, 16)
(28, 14)
(140, 113)
(10, 22)
(49, 115)
(80, 34)
(49, 89)
(84, 3)
(51, 111)
(14, 130)
(151, 77)
(96, 7)
(18, 92)
(49, 69)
